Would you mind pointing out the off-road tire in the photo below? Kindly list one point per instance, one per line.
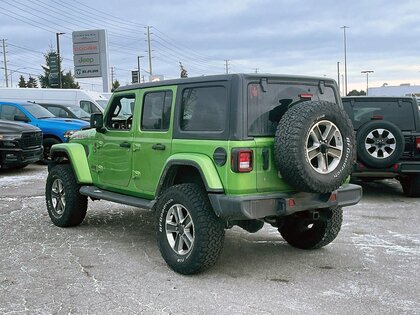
(321, 232)
(208, 229)
(411, 185)
(291, 146)
(48, 143)
(73, 211)
(379, 162)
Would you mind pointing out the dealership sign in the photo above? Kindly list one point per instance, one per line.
(90, 55)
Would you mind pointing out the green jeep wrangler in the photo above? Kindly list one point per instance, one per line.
(208, 153)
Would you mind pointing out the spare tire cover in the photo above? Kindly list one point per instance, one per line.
(314, 146)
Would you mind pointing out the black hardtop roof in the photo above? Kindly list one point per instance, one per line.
(384, 98)
(221, 77)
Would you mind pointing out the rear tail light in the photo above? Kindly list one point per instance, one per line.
(418, 143)
(377, 118)
(241, 161)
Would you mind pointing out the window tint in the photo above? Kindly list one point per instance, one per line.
(265, 108)
(8, 112)
(204, 109)
(85, 105)
(396, 111)
(119, 115)
(156, 111)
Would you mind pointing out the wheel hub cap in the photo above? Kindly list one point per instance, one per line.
(58, 196)
(180, 231)
(324, 147)
(380, 143)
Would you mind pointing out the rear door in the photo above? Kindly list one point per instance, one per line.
(152, 144)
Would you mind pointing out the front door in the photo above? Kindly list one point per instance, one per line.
(113, 145)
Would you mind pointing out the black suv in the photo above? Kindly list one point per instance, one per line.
(388, 139)
(20, 144)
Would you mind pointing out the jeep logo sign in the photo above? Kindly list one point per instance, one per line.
(86, 60)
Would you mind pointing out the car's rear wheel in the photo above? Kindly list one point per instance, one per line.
(189, 234)
(302, 230)
(411, 185)
(66, 206)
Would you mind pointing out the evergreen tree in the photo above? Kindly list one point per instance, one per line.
(356, 93)
(67, 79)
(115, 85)
(32, 82)
(22, 82)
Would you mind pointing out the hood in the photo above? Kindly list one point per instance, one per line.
(68, 122)
(7, 126)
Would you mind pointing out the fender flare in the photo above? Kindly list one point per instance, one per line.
(202, 163)
(76, 154)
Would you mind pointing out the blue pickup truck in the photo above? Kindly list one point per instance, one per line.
(55, 130)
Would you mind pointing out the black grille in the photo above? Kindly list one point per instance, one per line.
(31, 139)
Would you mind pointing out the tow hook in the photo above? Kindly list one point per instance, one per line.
(315, 215)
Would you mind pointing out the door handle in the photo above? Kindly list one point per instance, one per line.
(159, 146)
(125, 145)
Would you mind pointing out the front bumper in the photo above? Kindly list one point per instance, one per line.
(15, 157)
(281, 204)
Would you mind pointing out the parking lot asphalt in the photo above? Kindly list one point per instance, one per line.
(110, 264)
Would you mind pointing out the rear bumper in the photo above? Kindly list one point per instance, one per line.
(400, 168)
(281, 204)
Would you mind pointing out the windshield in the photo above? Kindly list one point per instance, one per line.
(267, 105)
(37, 111)
(78, 112)
(102, 103)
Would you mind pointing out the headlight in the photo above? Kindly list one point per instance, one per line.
(68, 133)
(10, 136)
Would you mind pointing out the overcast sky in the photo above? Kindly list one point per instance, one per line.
(284, 36)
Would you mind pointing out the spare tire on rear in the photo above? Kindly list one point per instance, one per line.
(380, 144)
(314, 146)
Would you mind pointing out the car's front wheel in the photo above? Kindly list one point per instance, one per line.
(189, 234)
(66, 206)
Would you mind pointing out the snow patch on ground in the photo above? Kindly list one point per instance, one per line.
(19, 180)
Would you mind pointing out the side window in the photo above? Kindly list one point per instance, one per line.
(203, 108)
(156, 110)
(85, 105)
(54, 110)
(119, 114)
(8, 112)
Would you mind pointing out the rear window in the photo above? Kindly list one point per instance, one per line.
(265, 108)
(398, 112)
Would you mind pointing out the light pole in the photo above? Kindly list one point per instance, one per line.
(338, 75)
(345, 59)
(367, 78)
(60, 85)
(12, 72)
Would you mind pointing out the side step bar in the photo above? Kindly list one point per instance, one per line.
(97, 193)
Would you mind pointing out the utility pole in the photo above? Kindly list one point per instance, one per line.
(227, 66)
(5, 63)
(345, 58)
(149, 51)
(256, 70)
(139, 68)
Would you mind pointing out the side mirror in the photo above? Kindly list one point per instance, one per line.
(21, 118)
(97, 121)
